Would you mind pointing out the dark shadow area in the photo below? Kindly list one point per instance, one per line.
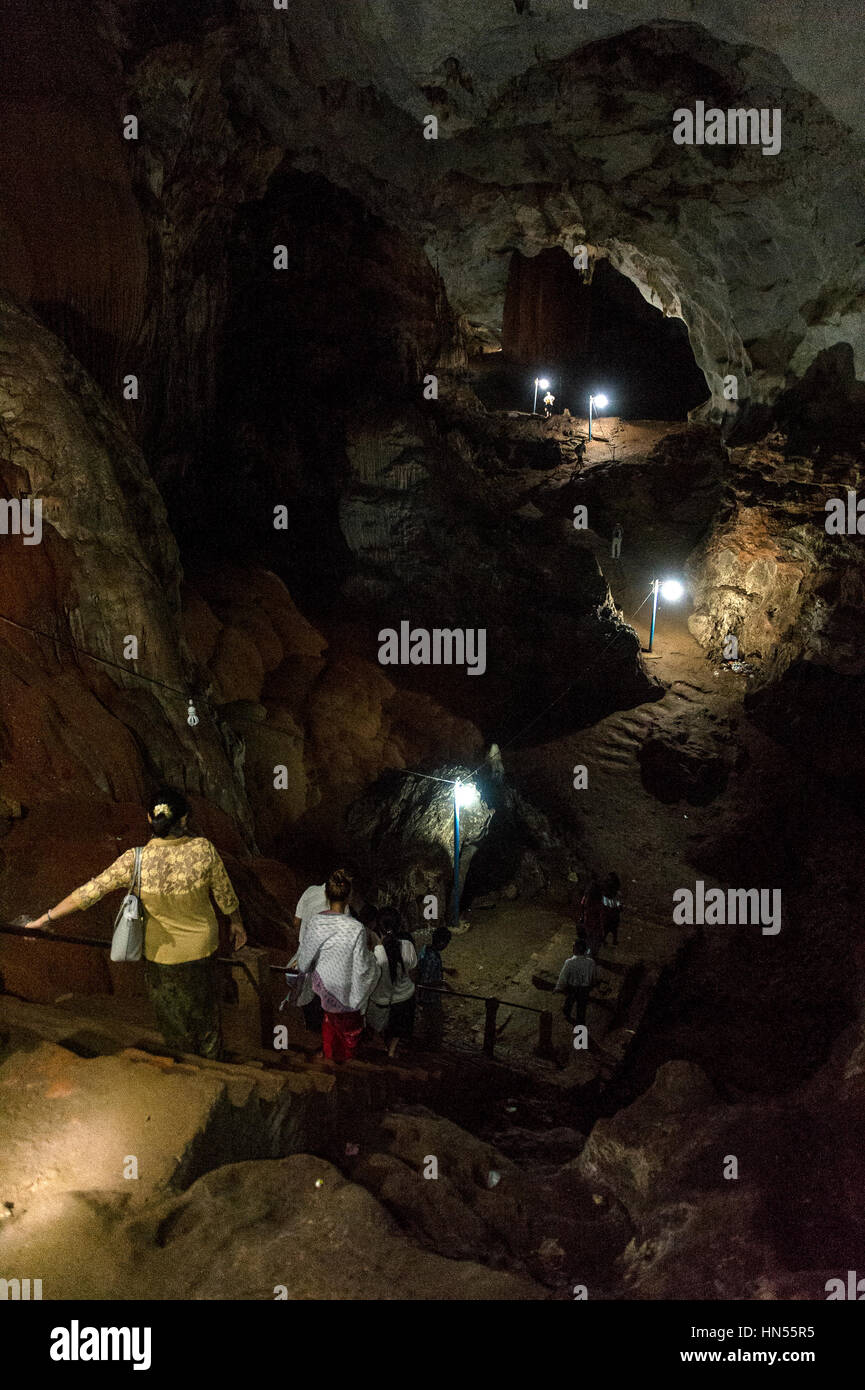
(340, 331)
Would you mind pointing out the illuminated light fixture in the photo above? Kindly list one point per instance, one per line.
(465, 794)
(540, 381)
(600, 402)
(669, 589)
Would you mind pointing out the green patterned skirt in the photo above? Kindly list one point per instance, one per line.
(186, 999)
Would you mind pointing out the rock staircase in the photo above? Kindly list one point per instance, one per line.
(619, 738)
(83, 1088)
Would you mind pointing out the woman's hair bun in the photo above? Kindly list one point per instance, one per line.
(166, 809)
(338, 886)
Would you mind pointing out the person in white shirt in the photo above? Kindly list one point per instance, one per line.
(579, 973)
(335, 953)
(390, 1011)
(314, 900)
(310, 903)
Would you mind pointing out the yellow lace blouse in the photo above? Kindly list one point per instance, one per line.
(177, 878)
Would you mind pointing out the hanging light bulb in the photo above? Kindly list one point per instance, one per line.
(191, 716)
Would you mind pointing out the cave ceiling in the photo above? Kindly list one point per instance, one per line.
(554, 129)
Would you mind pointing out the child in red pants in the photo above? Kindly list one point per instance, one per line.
(340, 1035)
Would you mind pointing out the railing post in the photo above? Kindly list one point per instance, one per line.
(492, 1006)
(265, 998)
(545, 1034)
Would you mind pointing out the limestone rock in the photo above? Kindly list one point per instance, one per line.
(683, 761)
(274, 1226)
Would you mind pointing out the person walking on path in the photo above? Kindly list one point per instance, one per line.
(344, 970)
(312, 901)
(577, 977)
(179, 873)
(592, 916)
(612, 903)
(391, 1009)
(431, 974)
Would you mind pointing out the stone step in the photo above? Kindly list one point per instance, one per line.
(103, 1034)
(73, 1122)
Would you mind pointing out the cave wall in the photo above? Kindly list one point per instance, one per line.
(73, 236)
(107, 568)
(769, 573)
(519, 165)
(547, 313)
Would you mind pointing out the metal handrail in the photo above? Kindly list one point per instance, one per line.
(261, 985)
(7, 929)
(100, 942)
(445, 989)
(460, 994)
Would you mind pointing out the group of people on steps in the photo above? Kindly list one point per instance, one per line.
(357, 975)
(360, 971)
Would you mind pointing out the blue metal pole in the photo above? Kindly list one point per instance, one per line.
(456, 907)
(535, 402)
(591, 403)
(656, 584)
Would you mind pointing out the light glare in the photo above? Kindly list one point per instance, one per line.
(465, 794)
(671, 590)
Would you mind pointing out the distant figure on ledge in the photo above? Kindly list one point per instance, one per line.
(579, 973)
(179, 872)
(431, 972)
(612, 899)
(616, 548)
(591, 916)
(549, 399)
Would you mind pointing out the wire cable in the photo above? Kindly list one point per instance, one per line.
(103, 660)
(185, 695)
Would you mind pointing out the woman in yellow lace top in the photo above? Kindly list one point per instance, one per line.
(181, 937)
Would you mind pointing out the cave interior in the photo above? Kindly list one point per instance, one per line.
(276, 288)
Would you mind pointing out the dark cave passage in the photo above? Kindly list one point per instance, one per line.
(587, 336)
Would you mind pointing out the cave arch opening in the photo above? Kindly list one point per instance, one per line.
(589, 331)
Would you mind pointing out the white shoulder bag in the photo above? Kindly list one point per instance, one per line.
(127, 942)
